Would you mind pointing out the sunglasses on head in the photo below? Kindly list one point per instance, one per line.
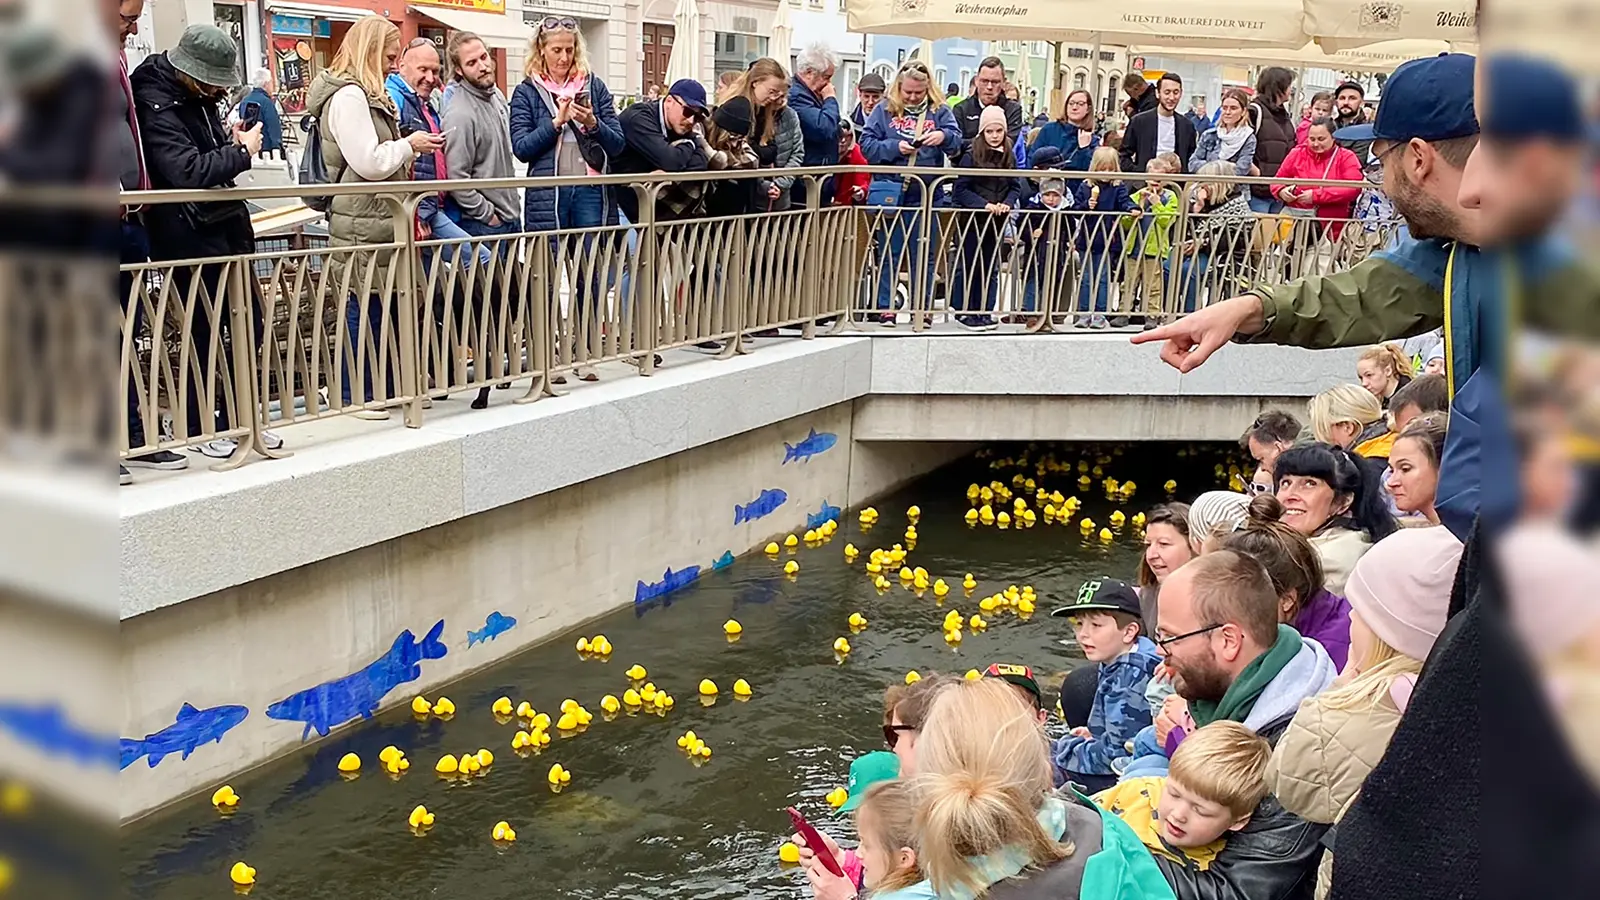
(915, 66)
(558, 23)
(891, 734)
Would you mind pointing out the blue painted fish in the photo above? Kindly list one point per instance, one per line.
(764, 505)
(811, 446)
(192, 728)
(723, 561)
(494, 626)
(815, 520)
(359, 693)
(670, 581)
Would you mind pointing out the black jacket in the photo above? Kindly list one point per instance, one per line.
(186, 147)
(1362, 149)
(1274, 857)
(52, 148)
(1150, 99)
(1139, 141)
(1274, 140)
(976, 187)
(648, 149)
(969, 111)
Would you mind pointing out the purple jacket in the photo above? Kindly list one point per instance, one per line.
(1326, 620)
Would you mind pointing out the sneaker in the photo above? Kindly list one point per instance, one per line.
(221, 448)
(977, 323)
(165, 460)
(585, 374)
(373, 415)
(1098, 321)
(427, 403)
(709, 345)
(887, 320)
(1119, 321)
(124, 477)
(1080, 321)
(271, 440)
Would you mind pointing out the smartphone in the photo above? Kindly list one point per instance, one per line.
(251, 115)
(815, 842)
(581, 98)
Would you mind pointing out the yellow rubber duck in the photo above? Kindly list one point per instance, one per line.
(503, 832)
(468, 764)
(1111, 485)
(447, 765)
(583, 645)
(1049, 511)
(977, 623)
(1129, 487)
(635, 672)
(788, 852)
(970, 517)
(969, 582)
(631, 697)
(841, 646)
(913, 512)
(708, 688)
(687, 740)
(648, 692)
(987, 604)
(940, 588)
(443, 707)
(972, 675)
(485, 758)
(421, 706)
(567, 722)
(1028, 517)
(524, 710)
(519, 740)
(541, 721)
(242, 875)
(349, 763)
(871, 513)
(600, 644)
(791, 567)
(1097, 471)
(569, 705)
(1019, 504)
(791, 542)
(850, 553)
(837, 797)
(1117, 518)
(558, 775)
(952, 637)
(986, 514)
(857, 620)
(986, 494)
(1106, 536)
(906, 574)
(225, 798)
(874, 568)
(913, 676)
(881, 583)
(731, 627)
(741, 688)
(420, 817)
(1087, 525)
(771, 549)
(1025, 607)
(911, 532)
(1138, 520)
(1170, 486)
(1003, 520)
(952, 619)
(609, 704)
(501, 707)
(1084, 481)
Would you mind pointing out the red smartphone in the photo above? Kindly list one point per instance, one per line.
(815, 842)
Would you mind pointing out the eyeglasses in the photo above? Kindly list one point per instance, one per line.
(1374, 169)
(891, 733)
(1256, 488)
(558, 23)
(1163, 643)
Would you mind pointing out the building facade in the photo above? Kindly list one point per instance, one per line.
(954, 60)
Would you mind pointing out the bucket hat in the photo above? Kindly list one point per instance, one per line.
(206, 54)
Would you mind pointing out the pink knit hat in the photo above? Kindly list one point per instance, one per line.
(1401, 587)
(992, 115)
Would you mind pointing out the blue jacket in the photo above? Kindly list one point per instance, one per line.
(534, 140)
(880, 143)
(415, 118)
(1101, 233)
(1120, 710)
(1073, 158)
(819, 125)
(271, 123)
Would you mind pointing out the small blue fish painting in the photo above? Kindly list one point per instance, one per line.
(811, 446)
(764, 505)
(493, 627)
(723, 561)
(815, 520)
(670, 581)
(359, 693)
(192, 728)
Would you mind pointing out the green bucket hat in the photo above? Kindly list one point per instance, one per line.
(206, 54)
(866, 771)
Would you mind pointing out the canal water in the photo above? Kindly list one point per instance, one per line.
(638, 819)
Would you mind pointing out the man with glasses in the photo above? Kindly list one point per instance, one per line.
(411, 86)
(1273, 432)
(663, 136)
(989, 90)
(869, 93)
(1230, 659)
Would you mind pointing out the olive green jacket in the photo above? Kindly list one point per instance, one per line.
(357, 220)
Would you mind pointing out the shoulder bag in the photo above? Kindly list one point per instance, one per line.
(887, 191)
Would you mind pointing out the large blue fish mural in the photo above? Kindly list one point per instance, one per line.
(359, 693)
(493, 626)
(192, 728)
(670, 581)
(763, 505)
(811, 446)
(815, 520)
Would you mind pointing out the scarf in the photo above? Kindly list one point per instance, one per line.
(1232, 140)
(566, 90)
(1241, 696)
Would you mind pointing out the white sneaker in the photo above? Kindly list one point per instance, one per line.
(373, 415)
(221, 448)
(271, 440)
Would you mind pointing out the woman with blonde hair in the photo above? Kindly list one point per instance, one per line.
(776, 136)
(1349, 416)
(1383, 369)
(1215, 249)
(361, 142)
(1399, 596)
(988, 820)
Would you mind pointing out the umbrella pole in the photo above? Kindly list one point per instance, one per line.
(1094, 74)
(1055, 79)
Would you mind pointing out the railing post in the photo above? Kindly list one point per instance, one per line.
(648, 285)
(537, 297)
(407, 262)
(242, 357)
(812, 286)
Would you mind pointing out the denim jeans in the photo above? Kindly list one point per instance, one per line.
(980, 265)
(1269, 207)
(445, 229)
(1094, 285)
(374, 331)
(898, 238)
(580, 207)
(1148, 756)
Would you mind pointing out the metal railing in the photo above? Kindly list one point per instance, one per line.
(313, 328)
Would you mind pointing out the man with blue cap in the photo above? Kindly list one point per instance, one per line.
(1438, 275)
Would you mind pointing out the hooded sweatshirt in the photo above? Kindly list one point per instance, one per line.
(479, 146)
(1266, 694)
(1326, 620)
(1119, 712)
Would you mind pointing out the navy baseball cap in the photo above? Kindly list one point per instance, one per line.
(1430, 99)
(690, 93)
(1529, 98)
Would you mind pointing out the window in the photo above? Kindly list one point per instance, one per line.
(966, 78)
(1077, 53)
(1107, 56)
(885, 71)
(939, 75)
(1078, 79)
(1008, 46)
(735, 52)
(1040, 48)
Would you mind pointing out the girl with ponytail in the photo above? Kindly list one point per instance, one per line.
(1335, 501)
(1295, 568)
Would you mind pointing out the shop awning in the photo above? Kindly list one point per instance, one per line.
(318, 11)
(496, 29)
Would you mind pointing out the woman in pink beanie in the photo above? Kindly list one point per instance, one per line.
(1399, 597)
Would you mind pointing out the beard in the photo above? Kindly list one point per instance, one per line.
(1425, 216)
(1200, 680)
